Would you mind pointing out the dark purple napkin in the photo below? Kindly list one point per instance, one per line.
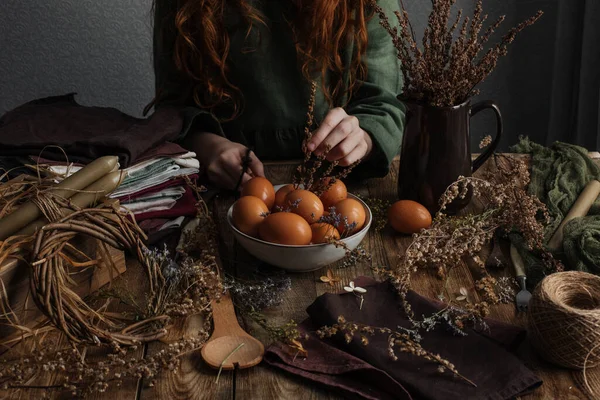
(85, 133)
(368, 371)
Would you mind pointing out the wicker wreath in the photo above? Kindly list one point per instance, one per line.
(50, 282)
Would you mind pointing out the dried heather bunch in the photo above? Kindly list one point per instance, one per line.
(450, 63)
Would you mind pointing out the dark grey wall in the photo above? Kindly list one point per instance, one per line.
(102, 50)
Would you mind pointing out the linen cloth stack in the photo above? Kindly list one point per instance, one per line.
(157, 191)
(156, 171)
(154, 189)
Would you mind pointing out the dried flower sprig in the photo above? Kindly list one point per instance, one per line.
(353, 257)
(334, 218)
(259, 294)
(397, 341)
(287, 333)
(316, 173)
(448, 66)
(485, 142)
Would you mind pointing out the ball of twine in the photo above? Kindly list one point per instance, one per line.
(564, 319)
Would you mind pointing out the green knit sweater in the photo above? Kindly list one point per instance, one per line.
(275, 93)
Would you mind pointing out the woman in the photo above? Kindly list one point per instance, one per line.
(241, 72)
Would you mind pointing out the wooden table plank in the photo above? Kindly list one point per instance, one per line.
(194, 380)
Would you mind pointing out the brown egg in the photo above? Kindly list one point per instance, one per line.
(352, 211)
(322, 232)
(280, 195)
(407, 216)
(336, 193)
(285, 228)
(248, 213)
(306, 204)
(260, 187)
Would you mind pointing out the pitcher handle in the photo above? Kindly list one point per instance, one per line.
(482, 105)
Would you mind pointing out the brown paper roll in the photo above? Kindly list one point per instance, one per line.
(579, 209)
(29, 212)
(87, 198)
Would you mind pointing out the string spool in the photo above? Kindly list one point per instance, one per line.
(564, 319)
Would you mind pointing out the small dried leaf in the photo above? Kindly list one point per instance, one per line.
(348, 289)
(325, 279)
(461, 298)
(463, 291)
(360, 290)
(296, 348)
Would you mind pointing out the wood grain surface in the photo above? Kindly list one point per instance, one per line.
(196, 381)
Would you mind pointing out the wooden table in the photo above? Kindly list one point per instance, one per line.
(196, 381)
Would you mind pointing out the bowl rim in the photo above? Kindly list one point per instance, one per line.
(369, 220)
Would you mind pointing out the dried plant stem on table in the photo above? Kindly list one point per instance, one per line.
(397, 341)
(445, 70)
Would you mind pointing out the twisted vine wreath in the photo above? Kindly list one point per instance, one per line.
(178, 289)
(49, 280)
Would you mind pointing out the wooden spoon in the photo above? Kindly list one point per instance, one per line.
(230, 344)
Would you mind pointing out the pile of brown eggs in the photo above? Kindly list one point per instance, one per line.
(294, 216)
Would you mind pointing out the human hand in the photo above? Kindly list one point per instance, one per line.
(222, 160)
(343, 135)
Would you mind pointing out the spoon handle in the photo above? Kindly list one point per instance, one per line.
(224, 318)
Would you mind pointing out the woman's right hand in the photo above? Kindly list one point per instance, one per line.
(222, 159)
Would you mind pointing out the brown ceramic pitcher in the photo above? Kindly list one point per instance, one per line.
(436, 151)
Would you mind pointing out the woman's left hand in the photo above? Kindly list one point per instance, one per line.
(343, 135)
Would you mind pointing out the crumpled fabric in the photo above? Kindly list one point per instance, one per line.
(559, 173)
(582, 244)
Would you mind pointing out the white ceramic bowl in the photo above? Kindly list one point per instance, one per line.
(299, 258)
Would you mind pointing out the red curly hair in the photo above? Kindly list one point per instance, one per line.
(322, 30)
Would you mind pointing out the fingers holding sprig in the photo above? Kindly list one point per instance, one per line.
(342, 138)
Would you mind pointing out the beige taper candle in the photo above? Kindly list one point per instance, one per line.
(29, 212)
(579, 209)
(86, 198)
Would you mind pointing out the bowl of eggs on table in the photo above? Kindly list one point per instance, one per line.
(293, 228)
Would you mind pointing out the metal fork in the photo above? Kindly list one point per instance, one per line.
(523, 297)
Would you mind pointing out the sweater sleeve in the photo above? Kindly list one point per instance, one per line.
(375, 103)
(172, 87)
